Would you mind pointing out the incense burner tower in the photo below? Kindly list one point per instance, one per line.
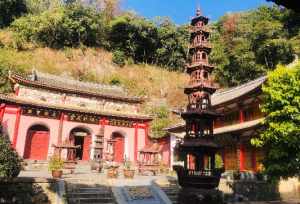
(198, 148)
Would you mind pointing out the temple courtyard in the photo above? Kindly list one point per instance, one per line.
(85, 186)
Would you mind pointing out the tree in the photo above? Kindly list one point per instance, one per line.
(288, 4)
(70, 25)
(247, 45)
(11, 9)
(282, 122)
(10, 162)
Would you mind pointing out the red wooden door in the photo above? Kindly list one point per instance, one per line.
(86, 147)
(119, 149)
(37, 144)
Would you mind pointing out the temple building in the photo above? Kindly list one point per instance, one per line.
(46, 112)
(240, 121)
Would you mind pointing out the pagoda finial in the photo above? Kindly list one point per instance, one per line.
(198, 11)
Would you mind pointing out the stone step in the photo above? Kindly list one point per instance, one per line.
(90, 200)
(89, 195)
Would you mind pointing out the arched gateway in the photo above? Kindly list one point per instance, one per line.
(83, 138)
(37, 142)
(119, 146)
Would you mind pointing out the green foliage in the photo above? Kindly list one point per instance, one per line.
(10, 162)
(282, 123)
(161, 120)
(39, 6)
(145, 41)
(11, 9)
(55, 164)
(219, 161)
(119, 58)
(70, 25)
(115, 80)
(247, 45)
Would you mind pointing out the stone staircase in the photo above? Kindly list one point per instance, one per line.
(79, 192)
(171, 190)
(34, 165)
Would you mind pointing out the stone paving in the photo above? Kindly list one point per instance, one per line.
(90, 179)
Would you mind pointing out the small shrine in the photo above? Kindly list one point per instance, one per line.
(150, 158)
(198, 149)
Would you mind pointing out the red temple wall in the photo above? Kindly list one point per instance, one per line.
(25, 122)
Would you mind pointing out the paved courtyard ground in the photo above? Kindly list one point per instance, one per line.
(86, 177)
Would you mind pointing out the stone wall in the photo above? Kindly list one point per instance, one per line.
(253, 190)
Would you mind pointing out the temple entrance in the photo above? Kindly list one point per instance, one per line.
(82, 138)
(118, 147)
(37, 143)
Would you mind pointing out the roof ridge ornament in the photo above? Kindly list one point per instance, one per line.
(198, 10)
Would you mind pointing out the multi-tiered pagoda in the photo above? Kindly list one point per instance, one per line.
(198, 148)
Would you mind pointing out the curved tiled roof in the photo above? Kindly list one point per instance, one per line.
(63, 107)
(65, 84)
(221, 97)
(228, 95)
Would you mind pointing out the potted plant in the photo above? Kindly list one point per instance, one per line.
(128, 170)
(55, 166)
(112, 171)
(96, 165)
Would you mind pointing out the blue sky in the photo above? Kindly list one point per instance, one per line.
(180, 11)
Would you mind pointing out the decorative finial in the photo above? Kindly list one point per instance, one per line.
(198, 11)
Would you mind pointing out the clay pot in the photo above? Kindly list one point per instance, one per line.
(128, 173)
(57, 174)
(112, 173)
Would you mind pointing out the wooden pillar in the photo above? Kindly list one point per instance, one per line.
(135, 141)
(146, 133)
(242, 157)
(60, 128)
(253, 155)
(2, 111)
(224, 157)
(17, 124)
(241, 115)
(212, 161)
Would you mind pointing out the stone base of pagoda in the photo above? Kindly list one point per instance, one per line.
(200, 196)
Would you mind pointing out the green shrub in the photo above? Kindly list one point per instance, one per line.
(119, 58)
(10, 162)
(115, 80)
(11, 9)
(161, 120)
(55, 164)
(71, 26)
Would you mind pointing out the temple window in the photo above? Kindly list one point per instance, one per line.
(204, 103)
(252, 113)
(198, 56)
(205, 75)
(204, 55)
(203, 38)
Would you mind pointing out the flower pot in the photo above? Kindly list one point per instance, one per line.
(128, 173)
(112, 173)
(57, 173)
(96, 167)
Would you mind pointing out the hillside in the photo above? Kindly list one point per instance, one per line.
(161, 88)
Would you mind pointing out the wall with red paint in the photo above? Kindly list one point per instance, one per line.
(8, 122)
(26, 122)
